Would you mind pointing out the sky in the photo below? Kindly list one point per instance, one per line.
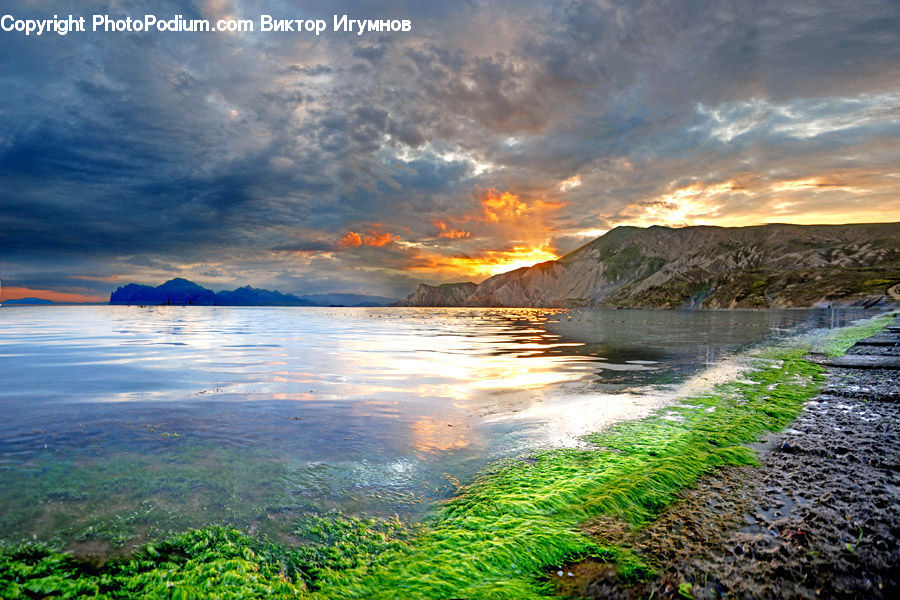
(492, 135)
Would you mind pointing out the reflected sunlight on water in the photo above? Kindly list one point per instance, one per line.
(215, 414)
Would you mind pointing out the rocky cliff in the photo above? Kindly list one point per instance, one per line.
(702, 266)
(449, 294)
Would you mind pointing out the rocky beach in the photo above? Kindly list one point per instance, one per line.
(819, 518)
(779, 481)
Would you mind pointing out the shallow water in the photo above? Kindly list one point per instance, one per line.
(126, 422)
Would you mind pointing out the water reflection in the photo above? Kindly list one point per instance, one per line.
(296, 409)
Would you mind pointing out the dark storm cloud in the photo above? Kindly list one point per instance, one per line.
(249, 157)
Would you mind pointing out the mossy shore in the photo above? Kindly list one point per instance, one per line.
(497, 539)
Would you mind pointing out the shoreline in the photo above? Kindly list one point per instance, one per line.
(503, 535)
(818, 518)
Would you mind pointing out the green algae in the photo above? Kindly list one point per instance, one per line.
(502, 532)
(115, 502)
(838, 343)
(496, 539)
(213, 562)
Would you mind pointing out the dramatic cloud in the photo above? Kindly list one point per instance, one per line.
(351, 240)
(494, 134)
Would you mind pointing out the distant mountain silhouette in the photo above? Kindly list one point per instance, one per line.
(181, 292)
(29, 301)
(175, 291)
(250, 296)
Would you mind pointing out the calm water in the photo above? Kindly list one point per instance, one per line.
(125, 422)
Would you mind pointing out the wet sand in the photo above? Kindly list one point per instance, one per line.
(819, 519)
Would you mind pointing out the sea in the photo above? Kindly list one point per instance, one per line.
(122, 423)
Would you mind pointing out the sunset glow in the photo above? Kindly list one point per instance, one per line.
(375, 238)
(332, 163)
(16, 293)
(501, 262)
(754, 199)
(444, 231)
(502, 206)
(485, 264)
(429, 300)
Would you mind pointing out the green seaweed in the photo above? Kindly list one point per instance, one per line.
(213, 562)
(496, 539)
(840, 341)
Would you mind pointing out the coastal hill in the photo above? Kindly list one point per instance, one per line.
(699, 267)
(180, 291)
(449, 294)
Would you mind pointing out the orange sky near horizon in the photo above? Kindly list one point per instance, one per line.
(16, 293)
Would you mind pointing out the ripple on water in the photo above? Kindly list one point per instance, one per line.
(233, 414)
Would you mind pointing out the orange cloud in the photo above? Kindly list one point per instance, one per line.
(351, 240)
(500, 214)
(375, 238)
(446, 232)
(499, 206)
(14, 293)
(504, 232)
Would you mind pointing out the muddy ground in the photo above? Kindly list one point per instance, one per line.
(819, 519)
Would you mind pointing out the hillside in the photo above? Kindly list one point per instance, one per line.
(449, 294)
(701, 267)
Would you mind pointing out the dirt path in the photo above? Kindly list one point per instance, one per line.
(819, 519)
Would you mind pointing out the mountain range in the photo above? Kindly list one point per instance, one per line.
(180, 291)
(700, 267)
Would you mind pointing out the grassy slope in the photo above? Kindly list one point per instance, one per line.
(493, 541)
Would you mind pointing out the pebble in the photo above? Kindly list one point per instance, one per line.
(786, 447)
